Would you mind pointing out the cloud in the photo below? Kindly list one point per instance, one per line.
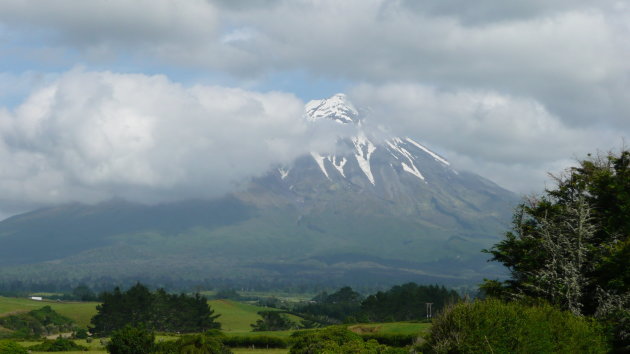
(100, 22)
(90, 136)
(511, 140)
(570, 55)
(508, 89)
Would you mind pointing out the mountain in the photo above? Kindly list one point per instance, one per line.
(378, 210)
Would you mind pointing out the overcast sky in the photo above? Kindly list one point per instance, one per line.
(157, 100)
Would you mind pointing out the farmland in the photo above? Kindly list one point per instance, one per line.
(236, 319)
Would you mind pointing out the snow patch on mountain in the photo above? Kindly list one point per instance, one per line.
(406, 151)
(338, 163)
(364, 149)
(337, 108)
(320, 162)
(283, 172)
(434, 155)
(413, 170)
(411, 167)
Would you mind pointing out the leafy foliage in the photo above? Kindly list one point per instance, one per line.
(335, 307)
(131, 340)
(207, 343)
(336, 339)
(157, 311)
(11, 347)
(273, 321)
(391, 339)
(57, 345)
(571, 246)
(257, 341)
(406, 302)
(80, 333)
(34, 324)
(495, 326)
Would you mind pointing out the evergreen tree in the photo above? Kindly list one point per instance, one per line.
(406, 302)
(571, 246)
(158, 311)
(273, 321)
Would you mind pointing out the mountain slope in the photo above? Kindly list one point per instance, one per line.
(377, 210)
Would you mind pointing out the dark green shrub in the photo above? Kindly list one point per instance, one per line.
(617, 325)
(392, 340)
(131, 340)
(193, 344)
(273, 321)
(499, 327)
(57, 345)
(81, 333)
(255, 341)
(36, 323)
(11, 347)
(336, 339)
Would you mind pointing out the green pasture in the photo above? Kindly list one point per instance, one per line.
(236, 317)
(93, 347)
(80, 312)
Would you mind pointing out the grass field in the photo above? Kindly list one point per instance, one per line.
(236, 318)
(80, 312)
(93, 347)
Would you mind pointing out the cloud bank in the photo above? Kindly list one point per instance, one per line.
(510, 90)
(512, 140)
(92, 136)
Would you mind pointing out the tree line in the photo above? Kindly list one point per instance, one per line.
(156, 311)
(405, 302)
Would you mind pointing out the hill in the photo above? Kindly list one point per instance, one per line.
(377, 210)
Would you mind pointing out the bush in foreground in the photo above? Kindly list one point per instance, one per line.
(193, 344)
(499, 327)
(57, 345)
(256, 341)
(336, 339)
(391, 339)
(11, 347)
(131, 340)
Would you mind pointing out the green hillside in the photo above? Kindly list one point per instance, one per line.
(236, 317)
(79, 312)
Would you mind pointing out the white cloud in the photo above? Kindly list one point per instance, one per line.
(570, 55)
(502, 86)
(91, 136)
(513, 141)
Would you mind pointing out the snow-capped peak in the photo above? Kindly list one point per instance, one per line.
(337, 108)
(404, 156)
